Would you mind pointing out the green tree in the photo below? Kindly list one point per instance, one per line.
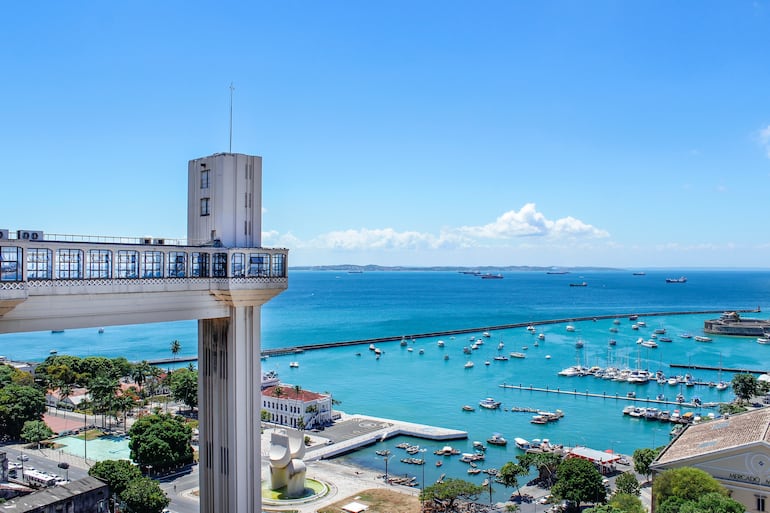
(139, 373)
(686, 483)
(627, 503)
(643, 458)
(745, 386)
(509, 475)
(35, 431)
(176, 346)
(626, 483)
(184, 387)
(445, 494)
(18, 404)
(545, 463)
(143, 495)
(103, 390)
(264, 415)
(160, 441)
(116, 473)
(578, 481)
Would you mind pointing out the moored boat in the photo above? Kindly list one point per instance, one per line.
(489, 403)
(522, 443)
(700, 338)
(497, 439)
(681, 279)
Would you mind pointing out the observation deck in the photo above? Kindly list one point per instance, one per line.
(57, 282)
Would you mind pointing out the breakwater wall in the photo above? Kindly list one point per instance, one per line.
(461, 331)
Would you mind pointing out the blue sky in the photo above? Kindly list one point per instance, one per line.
(566, 133)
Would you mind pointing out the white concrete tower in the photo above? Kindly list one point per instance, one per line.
(224, 209)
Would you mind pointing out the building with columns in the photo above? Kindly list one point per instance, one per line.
(220, 276)
(291, 406)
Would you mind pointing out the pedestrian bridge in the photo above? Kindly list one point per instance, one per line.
(63, 282)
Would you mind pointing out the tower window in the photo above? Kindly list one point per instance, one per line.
(205, 179)
(205, 206)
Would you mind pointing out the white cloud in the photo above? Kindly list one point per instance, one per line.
(529, 222)
(764, 139)
(512, 225)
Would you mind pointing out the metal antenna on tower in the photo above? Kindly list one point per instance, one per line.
(231, 116)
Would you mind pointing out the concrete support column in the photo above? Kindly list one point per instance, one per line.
(229, 403)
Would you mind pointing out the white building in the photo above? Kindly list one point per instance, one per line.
(303, 410)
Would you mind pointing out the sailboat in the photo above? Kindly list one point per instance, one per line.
(721, 385)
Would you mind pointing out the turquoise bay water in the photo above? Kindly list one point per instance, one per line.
(337, 306)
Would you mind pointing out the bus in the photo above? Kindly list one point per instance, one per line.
(39, 479)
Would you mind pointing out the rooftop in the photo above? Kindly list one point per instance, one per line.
(718, 435)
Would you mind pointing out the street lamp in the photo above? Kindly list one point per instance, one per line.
(422, 494)
(386, 456)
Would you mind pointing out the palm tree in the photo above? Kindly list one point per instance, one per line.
(65, 391)
(103, 393)
(175, 347)
(140, 373)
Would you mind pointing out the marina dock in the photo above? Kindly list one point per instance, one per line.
(604, 395)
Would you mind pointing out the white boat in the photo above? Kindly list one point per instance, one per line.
(579, 344)
(649, 343)
(468, 364)
(574, 370)
(699, 338)
(293, 365)
(501, 358)
(410, 349)
(518, 355)
(497, 439)
(440, 343)
(269, 379)
(570, 327)
(721, 385)
(763, 340)
(500, 346)
(541, 336)
(489, 403)
(371, 347)
(486, 334)
(531, 328)
(522, 444)
(685, 335)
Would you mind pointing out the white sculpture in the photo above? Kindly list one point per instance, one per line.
(287, 447)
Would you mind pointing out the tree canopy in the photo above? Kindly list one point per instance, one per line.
(445, 494)
(184, 386)
(116, 473)
(578, 481)
(643, 458)
(143, 495)
(35, 431)
(160, 441)
(509, 474)
(19, 404)
(626, 483)
(685, 483)
(745, 386)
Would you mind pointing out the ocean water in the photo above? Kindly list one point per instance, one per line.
(426, 388)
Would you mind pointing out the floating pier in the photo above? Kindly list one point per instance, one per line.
(603, 395)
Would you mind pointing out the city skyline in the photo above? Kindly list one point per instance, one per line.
(633, 135)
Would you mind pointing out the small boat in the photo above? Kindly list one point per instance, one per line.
(649, 343)
(403, 341)
(541, 336)
(539, 419)
(439, 463)
(721, 386)
(421, 351)
(440, 343)
(522, 443)
(490, 276)
(53, 351)
(579, 344)
(501, 358)
(613, 342)
(497, 439)
(487, 362)
(489, 403)
(371, 347)
(57, 331)
(665, 339)
(468, 407)
(500, 346)
(486, 334)
(474, 470)
(660, 331)
(101, 330)
(570, 327)
(681, 279)
(699, 338)
(763, 340)
(613, 329)
(518, 355)
(685, 335)
(468, 364)
(633, 317)
(531, 328)
(581, 284)
(410, 349)
(446, 357)
(479, 446)
(641, 324)
(293, 365)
